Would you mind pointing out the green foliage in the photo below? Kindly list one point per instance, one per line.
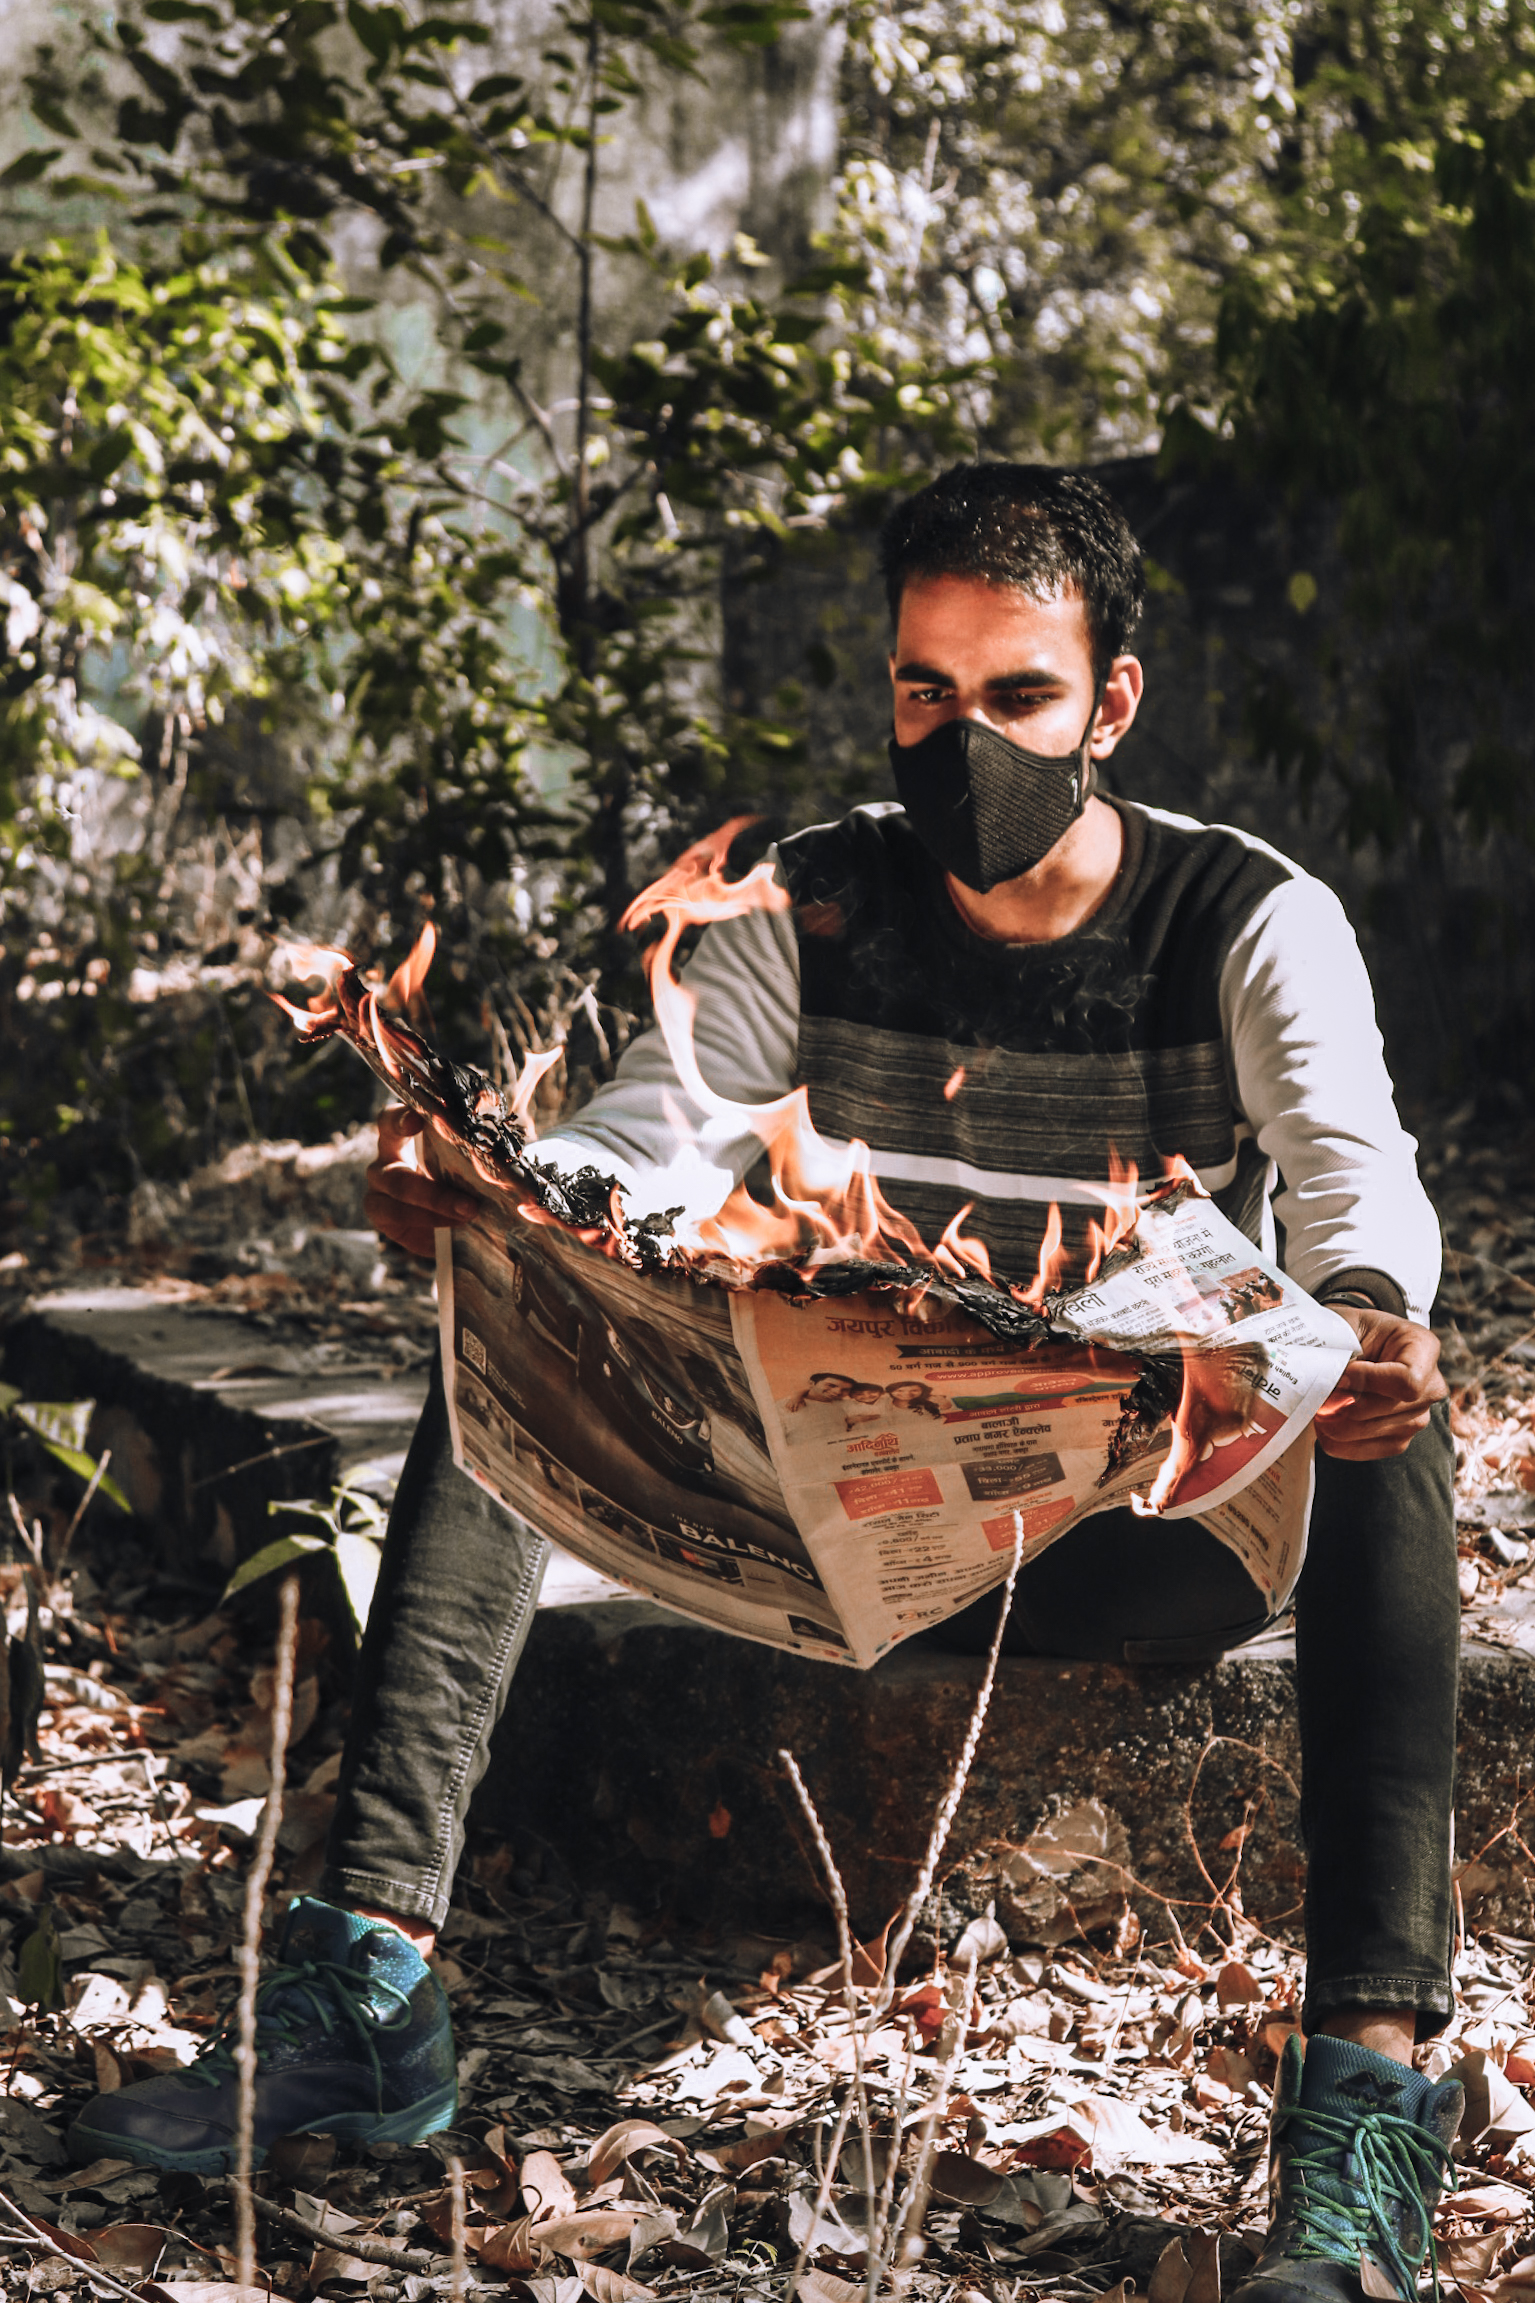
(40, 1966)
(1376, 358)
(233, 537)
(60, 1427)
(354, 1522)
(1058, 194)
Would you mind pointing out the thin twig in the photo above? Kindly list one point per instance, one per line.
(250, 1944)
(935, 1847)
(1482, 1373)
(268, 1455)
(892, 2163)
(32, 1541)
(344, 2242)
(157, 1794)
(97, 2272)
(845, 1945)
(69, 1766)
(81, 1508)
(1124, 2005)
(827, 2172)
(909, 2242)
(944, 1819)
(457, 2228)
(858, 2094)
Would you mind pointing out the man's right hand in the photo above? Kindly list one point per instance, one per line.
(402, 1202)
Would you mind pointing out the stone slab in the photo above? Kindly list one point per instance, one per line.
(640, 1752)
(210, 1420)
(646, 1755)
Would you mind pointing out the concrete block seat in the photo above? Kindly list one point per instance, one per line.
(640, 1750)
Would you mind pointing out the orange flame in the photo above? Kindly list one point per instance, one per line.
(1054, 1264)
(526, 1085)
(693, 894)
(827, 1205)
(1120, 1213)
(958, 1255)
(1215, 1408)
(305, 961)
(409, 977)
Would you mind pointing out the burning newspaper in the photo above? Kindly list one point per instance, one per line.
(798, 1422)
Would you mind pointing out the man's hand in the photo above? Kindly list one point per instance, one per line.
(1384, 1394)
(403, 1202)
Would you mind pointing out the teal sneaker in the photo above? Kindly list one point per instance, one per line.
(1361, 2152)
(353, 2039)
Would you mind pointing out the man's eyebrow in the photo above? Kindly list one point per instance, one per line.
(928, 676)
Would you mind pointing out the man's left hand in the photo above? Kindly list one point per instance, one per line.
(1384, 1394)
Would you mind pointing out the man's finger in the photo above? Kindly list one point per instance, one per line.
(402, 1227)
(397, 1123)
(421, 1191)
(1343, 1427)
(1364, 1450)
(1347, 1429)
(1374, 1407)
(1390, 1378)
(1361, 1412)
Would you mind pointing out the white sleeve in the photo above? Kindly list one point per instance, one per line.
(1309, 1076)
(643, 1127)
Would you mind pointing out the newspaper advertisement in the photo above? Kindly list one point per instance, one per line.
(832, 1473)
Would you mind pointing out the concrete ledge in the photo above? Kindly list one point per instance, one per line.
(641, 1750)
(207, 1419)
(645, 1755)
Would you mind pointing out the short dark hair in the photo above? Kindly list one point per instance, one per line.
(1046, 530)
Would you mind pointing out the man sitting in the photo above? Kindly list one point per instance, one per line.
(1107, 975)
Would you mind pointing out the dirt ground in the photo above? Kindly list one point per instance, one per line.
(643, 2113)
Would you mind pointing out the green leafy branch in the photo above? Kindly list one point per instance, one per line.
(354, 1522)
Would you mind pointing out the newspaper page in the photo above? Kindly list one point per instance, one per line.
(915, 1447)
(833, 1475)
(833, 1468)
(610, 1411)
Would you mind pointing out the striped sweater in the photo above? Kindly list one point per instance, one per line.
(1215, 1008)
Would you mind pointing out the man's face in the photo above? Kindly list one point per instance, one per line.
(967, 649)
(826, 1387)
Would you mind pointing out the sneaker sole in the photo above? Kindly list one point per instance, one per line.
(412, 2125)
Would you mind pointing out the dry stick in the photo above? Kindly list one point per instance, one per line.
(31, 1543)
(457, 2224)
(893, 2158)
(909, 2243)
(93, 2270)
(81, 1508)
(1222, 1895)
(944, 1819)
(838, 1894)
(1124, 2005)
(250, 1944)
(857, 2093)
(157, 1794)
(937, 1841)
(344, 2242)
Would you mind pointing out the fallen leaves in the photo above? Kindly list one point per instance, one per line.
(646, 2115)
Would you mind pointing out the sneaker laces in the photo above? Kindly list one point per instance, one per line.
(1359, 2170)
(290, 2000)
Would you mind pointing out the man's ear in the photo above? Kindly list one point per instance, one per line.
(1121, 700)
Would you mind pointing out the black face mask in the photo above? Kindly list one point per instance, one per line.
(982, 806)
